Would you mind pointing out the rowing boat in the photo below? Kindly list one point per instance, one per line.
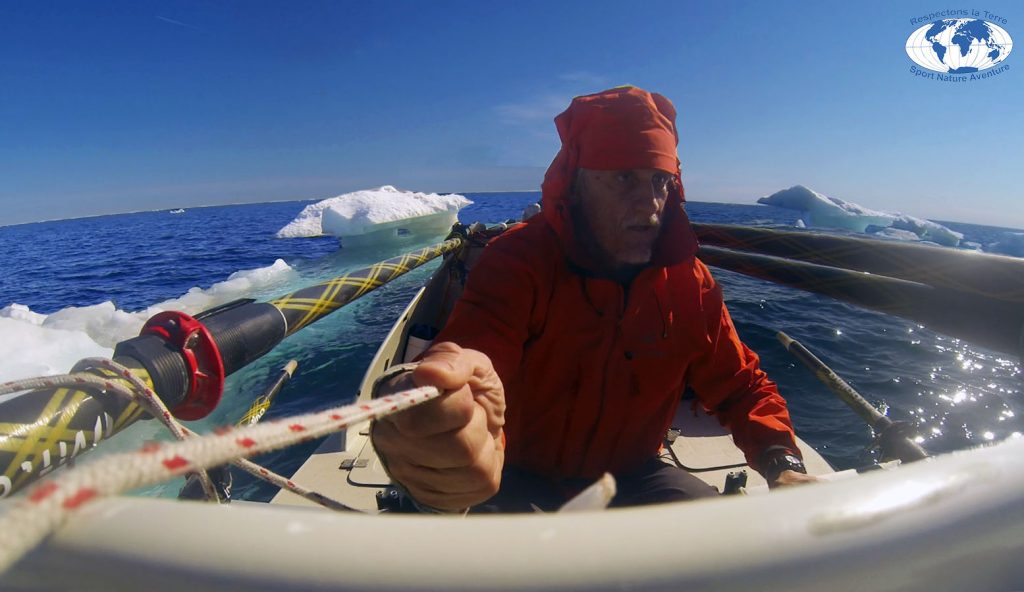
(953, 522)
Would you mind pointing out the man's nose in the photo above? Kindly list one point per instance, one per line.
(648, 197)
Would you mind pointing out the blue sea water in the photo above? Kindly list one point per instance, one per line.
(955, 394)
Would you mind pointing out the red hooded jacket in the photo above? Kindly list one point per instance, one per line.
(593, 372)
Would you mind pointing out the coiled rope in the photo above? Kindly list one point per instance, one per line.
(48, 504)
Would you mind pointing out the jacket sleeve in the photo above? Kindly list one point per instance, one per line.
(729, 382)
(497, 306)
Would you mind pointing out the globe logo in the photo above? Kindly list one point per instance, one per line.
(959, 46)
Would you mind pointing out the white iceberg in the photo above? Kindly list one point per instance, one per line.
(927, 230)
(377, 215)
(827, 212)
(822, 211)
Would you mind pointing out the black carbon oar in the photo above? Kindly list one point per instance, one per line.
(989, 322)
(184, 360)
(892, 436)
(996, 277)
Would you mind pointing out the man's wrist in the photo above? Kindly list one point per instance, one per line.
(776, 459)
(381, 381)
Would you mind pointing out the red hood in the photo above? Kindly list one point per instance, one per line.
(621, 128)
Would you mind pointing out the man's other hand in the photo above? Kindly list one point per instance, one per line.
(448, 452)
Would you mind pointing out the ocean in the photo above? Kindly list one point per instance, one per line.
(96, 279)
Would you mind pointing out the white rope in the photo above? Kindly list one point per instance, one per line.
(49, 503)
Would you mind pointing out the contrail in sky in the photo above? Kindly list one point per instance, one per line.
(174, 22)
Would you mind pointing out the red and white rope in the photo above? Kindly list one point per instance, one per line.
(151, 402)
(265, 474)
(155, 406)
(46, 505)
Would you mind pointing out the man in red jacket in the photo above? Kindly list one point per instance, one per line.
(588, 322)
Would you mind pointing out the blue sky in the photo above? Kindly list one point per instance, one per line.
(124, 106)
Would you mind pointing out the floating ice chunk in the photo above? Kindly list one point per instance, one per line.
(823, 211)
(29, 349)
(20, 312)
(107, 325)
(827, 212)
(103, 323)
(927, 230)
(239, 284)
(373, 215)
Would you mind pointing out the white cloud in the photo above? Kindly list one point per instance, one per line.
(533, 110)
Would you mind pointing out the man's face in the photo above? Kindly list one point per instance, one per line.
(622, 211)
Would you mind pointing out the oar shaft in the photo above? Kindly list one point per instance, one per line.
(262, 403)
(991, 323)
(996, 277)
(835, 383)
(893, 440)
(311, 304)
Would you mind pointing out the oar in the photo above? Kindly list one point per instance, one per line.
(262, 403)
(892, 437)
(221, 475)
(184, 359)
(995, 277)
(989, 322)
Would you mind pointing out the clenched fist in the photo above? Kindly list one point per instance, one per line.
(448, 452)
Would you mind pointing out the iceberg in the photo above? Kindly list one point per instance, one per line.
(927, 230)
(827, 212)
(822, 211)
(377, 215)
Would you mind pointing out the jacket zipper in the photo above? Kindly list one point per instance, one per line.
(604, 381)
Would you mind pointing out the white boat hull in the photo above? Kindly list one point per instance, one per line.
(951, 523)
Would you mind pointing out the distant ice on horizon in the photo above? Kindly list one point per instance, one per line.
(821, 211)
(381, 213)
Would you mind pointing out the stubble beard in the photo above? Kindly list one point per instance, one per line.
(620, 266)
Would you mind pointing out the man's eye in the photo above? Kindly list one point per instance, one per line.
(624, 177)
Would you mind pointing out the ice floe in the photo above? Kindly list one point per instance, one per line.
(821, 211)
(377, 215)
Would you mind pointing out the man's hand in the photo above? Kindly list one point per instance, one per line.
(447, 452)
(789, 478)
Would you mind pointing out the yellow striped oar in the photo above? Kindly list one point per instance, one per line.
(221, 475)
(259, 407)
